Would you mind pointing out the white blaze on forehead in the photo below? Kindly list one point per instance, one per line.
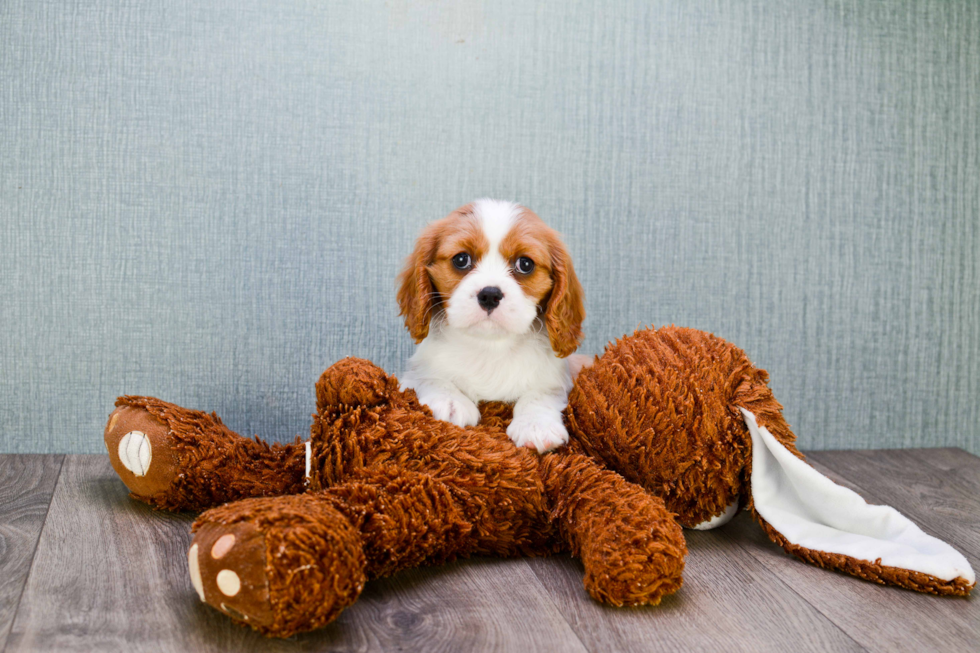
(496, 218)
(516, 312)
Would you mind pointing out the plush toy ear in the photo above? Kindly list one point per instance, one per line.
(565, 310)
(831, 526)
(416, 294)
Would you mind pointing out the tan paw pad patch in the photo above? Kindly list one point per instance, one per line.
(223, 546)
(228, 582)
(232, 568)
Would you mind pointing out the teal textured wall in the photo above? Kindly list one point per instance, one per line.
(209, 201)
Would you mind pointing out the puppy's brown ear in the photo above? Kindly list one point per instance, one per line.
(416, 293)
(565, 309)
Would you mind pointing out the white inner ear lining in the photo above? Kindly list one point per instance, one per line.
(810, 510)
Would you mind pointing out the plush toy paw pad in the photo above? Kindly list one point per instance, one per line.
(195, 571)
(222, 545)
(227, 565)
(228, 582)
(136, 452)
(139, 450)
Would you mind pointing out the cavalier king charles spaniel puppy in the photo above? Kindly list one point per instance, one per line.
(490, 297)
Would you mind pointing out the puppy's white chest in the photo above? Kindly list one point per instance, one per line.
(502, 370)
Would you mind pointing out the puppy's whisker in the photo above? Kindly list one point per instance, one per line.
(430, 306)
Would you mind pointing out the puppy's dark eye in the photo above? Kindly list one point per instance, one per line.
(462, 261)
(524, 265)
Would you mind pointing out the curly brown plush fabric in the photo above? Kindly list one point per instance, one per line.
(415, 490)
(657, 441)
(311, 558)
(392, 430)
(205, 463)
(629, 543)
(661, 408)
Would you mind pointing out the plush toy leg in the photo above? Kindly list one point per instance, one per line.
(279, 564)
(180, 459)
(629, 543)
(291, 564)
(831, 526)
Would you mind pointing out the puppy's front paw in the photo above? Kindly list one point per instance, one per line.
(455, 409)
(537, 432)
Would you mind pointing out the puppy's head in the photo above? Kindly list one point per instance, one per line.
(492, 268)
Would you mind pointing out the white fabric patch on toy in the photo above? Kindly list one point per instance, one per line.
(228, 582)
(718, 520)
(135, 452)
(309, 458)
(195, 569)
(811, 511)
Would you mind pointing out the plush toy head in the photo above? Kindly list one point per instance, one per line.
(687, 416)
(662, 408)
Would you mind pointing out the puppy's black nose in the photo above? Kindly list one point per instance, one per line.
(489, 298)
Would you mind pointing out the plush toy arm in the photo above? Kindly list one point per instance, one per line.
(181, 459)
(629, 543)
(831, 526)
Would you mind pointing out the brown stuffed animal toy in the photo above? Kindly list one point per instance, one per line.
(669, 427)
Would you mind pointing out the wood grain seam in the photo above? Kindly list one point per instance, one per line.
(547, 593)
(37, 543)
(769, 573)
(960, 449)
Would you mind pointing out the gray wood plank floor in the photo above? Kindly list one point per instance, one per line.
(84, 567)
